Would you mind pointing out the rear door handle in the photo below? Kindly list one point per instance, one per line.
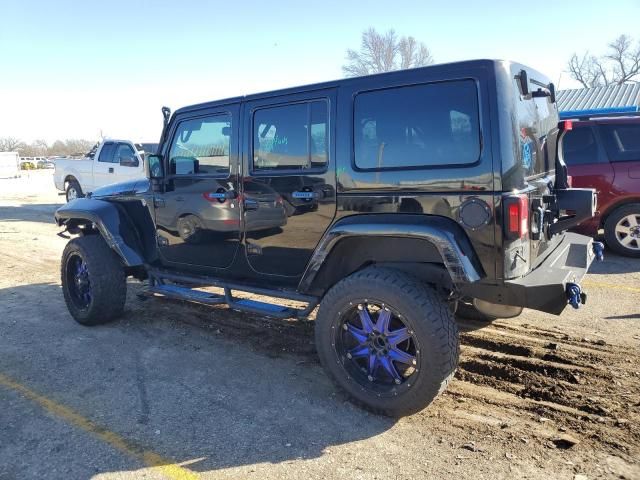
(158, 202)
(110, 169)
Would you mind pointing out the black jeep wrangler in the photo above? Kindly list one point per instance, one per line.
(388, 200)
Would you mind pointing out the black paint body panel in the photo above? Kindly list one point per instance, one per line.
(360, 216)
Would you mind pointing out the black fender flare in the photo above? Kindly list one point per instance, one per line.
(110, 221)
(449, 241)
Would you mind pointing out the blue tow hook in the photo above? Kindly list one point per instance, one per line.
(575, 295)
(598, 249)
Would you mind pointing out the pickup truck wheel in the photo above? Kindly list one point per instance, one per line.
(388, 340)
(93, 281)
(73, 190)
(622, 230)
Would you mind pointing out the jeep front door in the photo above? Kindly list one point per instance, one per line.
(289, 195)
(197, 217)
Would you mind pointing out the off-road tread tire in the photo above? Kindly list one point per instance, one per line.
(610, 225)
(73, 183)
(107, 278)
(435, 327)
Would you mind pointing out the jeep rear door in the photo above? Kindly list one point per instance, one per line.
(289, 194)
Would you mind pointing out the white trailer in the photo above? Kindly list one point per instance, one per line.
(9, 165)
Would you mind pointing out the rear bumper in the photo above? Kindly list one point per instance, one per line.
(545, 287)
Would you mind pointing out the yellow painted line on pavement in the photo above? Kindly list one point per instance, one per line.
(162, 465)
(612, 286)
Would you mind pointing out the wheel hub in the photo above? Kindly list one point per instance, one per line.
(382, 353)
(627, 232)
(79, 283)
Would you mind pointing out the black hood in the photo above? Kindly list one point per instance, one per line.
(131, 187)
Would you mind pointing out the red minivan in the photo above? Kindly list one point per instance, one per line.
(604, 153)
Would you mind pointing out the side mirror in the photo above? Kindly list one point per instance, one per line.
(154, 167)
(128, 161)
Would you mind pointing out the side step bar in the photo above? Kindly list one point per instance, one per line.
(182, 286)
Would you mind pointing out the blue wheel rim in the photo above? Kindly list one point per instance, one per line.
(78, 282)
(377, 348)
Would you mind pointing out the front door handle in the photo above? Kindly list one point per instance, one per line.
(110, 169)
(250, 204)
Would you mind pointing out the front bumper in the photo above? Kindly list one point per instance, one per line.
(544, 288)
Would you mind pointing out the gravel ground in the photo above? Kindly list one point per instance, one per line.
(175, 390)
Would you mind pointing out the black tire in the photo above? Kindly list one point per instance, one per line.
(427, 317)
(104, 275)
(73, 187)
(469, 312)
(616, 239)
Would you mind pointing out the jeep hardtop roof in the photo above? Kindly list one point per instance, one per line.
(444, 68)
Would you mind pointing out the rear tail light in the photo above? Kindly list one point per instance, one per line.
(516, 213)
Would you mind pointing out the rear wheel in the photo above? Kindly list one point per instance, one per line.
(622, 230)
(73, 190)
(389, 341)
(93, 281)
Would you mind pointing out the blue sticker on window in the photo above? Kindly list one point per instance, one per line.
(527, 155)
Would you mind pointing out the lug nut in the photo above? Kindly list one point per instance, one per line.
(349, 356)
(370, 378)
(397, 381)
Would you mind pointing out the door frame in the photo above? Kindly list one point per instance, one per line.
(233, 109)
(329, 172)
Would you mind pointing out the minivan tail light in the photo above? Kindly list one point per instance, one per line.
(516, 209)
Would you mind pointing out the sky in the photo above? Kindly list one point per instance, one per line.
(82, 69)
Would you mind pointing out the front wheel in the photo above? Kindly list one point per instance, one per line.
(93, 281)
(389, 341)
(73, 190)
(622, 230)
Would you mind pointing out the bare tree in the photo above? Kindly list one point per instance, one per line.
(385, 52)
(11, 144)
(621, 64)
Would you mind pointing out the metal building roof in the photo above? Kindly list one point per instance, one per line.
(600, 98)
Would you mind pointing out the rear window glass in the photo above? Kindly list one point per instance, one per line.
(622, 142)
(579, 147)
(290, 137)
(417, 126)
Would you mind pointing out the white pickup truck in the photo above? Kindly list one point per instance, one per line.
(111, 161)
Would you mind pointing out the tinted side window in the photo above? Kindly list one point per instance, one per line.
(622, 142)
(417, 126)
(201, 146)
(106, 153)
(579, 146)
(123, 150)
(290, 137)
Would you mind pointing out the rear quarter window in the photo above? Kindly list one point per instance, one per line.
(622, 141)
(417, 126)
(579, 147)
